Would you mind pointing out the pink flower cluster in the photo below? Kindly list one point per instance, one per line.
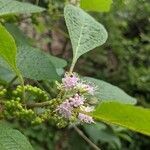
(76, 101)
(65, 109)
(72, 83)
(67, 106)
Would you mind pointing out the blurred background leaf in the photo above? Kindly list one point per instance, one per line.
(96, 5)
(10, 7)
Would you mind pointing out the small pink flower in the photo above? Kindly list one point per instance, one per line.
(85, 118)
(77, 100)
(90, 89)
(65, 109)
(70, 81)
(86, 87)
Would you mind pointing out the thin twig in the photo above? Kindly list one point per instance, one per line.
(86, 138)
(42, 104)
(37, 2)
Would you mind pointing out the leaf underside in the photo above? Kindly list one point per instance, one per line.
(85, 32)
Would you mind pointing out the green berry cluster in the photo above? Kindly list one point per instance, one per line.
(14, 108)
(3, 91)
(32, 91)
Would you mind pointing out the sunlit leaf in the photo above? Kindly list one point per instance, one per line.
(131, 117)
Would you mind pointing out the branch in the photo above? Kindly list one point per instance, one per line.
(86, 138)
(42, 104)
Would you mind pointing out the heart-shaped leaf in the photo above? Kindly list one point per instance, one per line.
(85, 32)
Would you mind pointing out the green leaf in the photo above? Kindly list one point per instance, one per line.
(18, 35)
(8, 48)
(131, 117)
(99, 132)
(5, 75)
(58, 62)
(11, 139)
(96, 5)
(85, 32)
(108, 92)
(28, 58)
(35, 64)
(22, 40)
(8, 7)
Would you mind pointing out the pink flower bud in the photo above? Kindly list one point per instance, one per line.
(76, 101)
(65, 109)
(70, 81)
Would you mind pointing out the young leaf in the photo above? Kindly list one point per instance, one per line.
(8, 7)
(11, 139)
(96, 5)
(108, 92)
(131, 117)
(85, 32)
(8, 48)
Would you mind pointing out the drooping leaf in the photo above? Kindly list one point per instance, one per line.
(11, 139)
(131, 117)
(108, 92)
(85, 32)
(8, 48)
(96, 5)
(35, 64)
(8, 7)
